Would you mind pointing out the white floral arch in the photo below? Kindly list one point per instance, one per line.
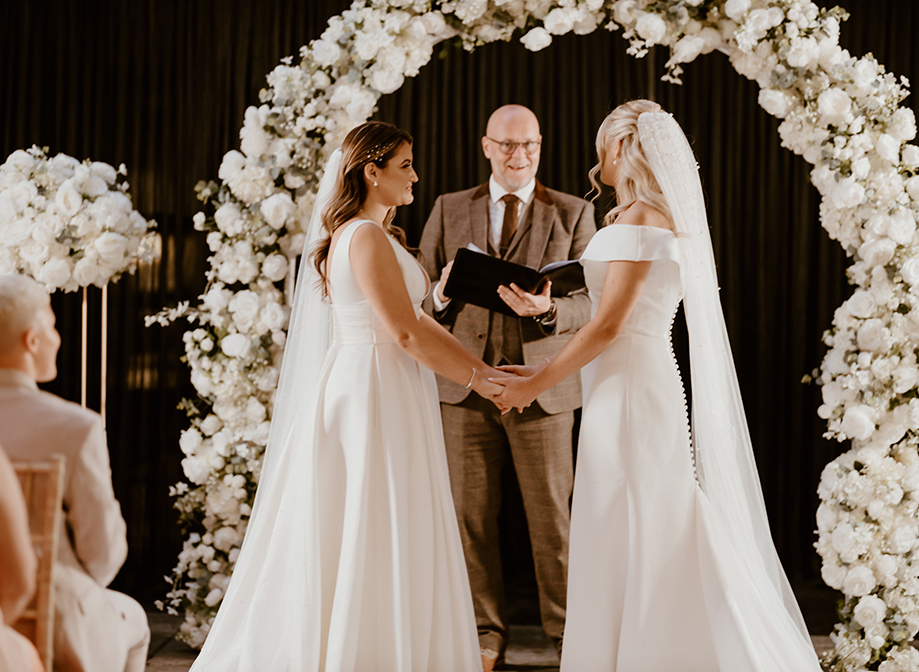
(840, 113)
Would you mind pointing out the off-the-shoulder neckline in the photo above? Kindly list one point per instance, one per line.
(640, 226)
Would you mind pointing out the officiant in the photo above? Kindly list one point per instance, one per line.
(514, 217)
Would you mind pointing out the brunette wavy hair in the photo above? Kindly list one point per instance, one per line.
(635, 180)
(373, 141)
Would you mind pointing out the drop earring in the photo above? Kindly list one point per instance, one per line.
(375, 183)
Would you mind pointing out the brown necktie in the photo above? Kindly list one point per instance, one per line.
(509, 227)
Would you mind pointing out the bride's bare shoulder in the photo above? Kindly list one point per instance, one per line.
(642, 214)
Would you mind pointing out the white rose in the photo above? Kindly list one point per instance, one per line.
(903, 539)
(255, 411)
(86, 272)
(827, 517)
(7, 261)
(870, 610)
(33, 252)
(902, 226)
(835, 106)
(902, 124)
(274, 267)
(21, 194)
(909, 271)
(905, 378)
(196, 469)
(104, 170)
(888, 148)
(325, 53)
(861, 304)
(361, 105)
(848, 193)
(226, 538)
(911, 155)
(228, 219)
(244, 306)
(560, 20)
(735, 9)
(273, 316)
(386, 81)
(859, 581)
(277, 209)
(232, 163)
(877, 252)
(54, 273)
(776, 103)
(211, 424)
(858, 423)
(877, 637)
(68, 198)
(873, 336)
(885, 568)
(235, 345)
(112, 248)
(189, 441)
(537, 39)
(861, 168)
(651, 28)
(833, 574)
(688, 48)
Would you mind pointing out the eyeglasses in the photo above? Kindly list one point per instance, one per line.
(508, 147)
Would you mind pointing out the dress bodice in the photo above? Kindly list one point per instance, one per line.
(353, 318)
(653, 313)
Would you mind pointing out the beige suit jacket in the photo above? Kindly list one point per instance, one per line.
(35, 425)
(557, 227)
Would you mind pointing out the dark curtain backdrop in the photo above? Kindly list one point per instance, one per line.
(162, 85)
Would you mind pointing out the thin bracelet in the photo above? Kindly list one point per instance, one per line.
(469, 384)
(547, 360)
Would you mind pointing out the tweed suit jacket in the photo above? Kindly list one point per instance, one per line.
(34, 426)
(556, 227)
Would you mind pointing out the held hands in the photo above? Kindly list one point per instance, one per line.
(523, 303)
(518, 391)
(489, 383)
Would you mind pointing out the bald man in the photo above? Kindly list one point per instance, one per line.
(95, 629)
(514, 217)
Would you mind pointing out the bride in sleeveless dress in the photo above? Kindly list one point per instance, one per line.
(352, 560)
(671, 561)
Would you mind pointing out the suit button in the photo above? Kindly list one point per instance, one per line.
(480, 336)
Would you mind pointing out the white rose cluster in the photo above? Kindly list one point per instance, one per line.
(69, 224)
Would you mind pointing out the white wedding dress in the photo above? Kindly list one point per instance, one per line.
(654, 581)
(355, 564)
(671, 562)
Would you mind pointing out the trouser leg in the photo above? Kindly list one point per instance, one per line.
(541, 450)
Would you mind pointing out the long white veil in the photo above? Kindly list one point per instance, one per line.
(724, 458)
(270, 616)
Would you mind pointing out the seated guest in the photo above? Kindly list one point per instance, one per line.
(96, 629)
(17, 574)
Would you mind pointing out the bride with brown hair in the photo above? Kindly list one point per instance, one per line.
(352, 560)
(671, 562)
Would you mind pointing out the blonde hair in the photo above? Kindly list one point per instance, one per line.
(21, 299)
(635, 180)
(371, 142)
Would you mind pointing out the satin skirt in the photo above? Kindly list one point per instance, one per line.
(654, 583)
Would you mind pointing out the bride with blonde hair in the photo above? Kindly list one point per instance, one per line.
(671, 561)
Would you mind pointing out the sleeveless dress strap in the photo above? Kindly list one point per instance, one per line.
(628, 242)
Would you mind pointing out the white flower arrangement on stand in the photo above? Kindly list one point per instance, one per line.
(840, 113)
(69, 224)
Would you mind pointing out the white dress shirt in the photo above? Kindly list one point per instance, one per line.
(496, 216)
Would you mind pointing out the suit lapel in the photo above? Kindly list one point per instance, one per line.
(539, 224)
(478, 218)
